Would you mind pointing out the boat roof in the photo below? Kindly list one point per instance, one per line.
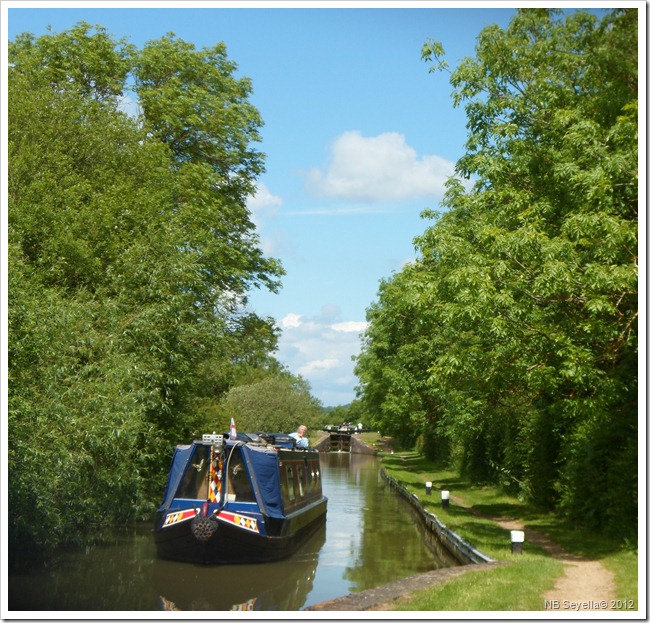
(263, 465)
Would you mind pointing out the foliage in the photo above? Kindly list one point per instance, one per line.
(276, 403)
(344, 414)
(131, 254)
(522, 583)
(510, 345)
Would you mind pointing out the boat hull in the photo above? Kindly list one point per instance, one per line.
(231, 543)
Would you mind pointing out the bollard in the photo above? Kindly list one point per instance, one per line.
(428, 486)
(516, 541)
(444, 495)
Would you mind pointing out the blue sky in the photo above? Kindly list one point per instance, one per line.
(359, 139)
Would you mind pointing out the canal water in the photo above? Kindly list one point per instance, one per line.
(371, 537)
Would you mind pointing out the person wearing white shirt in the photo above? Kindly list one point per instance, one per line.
(299, 436)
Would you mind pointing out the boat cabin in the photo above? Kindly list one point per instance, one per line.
(225, 496)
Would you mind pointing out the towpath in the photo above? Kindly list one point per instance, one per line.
(585, 582)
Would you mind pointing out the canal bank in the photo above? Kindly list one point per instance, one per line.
(546, 576)
(380, 598)
(462, 551)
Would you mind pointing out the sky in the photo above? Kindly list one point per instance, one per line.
(359, 138)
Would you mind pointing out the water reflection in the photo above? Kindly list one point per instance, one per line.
(116, 575)
(371, 537)
(272, 586)
(372, 533)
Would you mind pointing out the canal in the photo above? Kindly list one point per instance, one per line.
(371, 537)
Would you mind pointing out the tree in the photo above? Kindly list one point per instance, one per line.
(194, 105)
(277, 403)
(129, 269)
(393, 365)
(526, 286)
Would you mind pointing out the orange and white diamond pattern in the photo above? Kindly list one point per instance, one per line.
(248, 523)
(173, 518)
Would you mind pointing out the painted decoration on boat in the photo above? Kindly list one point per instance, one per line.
(216, 475)
(181, 516)
(253, 497)
(239, 520)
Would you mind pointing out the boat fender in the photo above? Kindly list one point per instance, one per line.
(203, 528)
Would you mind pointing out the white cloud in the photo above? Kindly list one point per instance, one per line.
(347, 210)
(351, 326)
(318, 365)
(291, 321)
(263, 204)
(320, 349)
(129, 104)
(381, 168)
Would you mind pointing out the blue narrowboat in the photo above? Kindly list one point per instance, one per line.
(239, 498)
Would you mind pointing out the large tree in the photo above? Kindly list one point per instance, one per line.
(527, 284)
(131, 254)
(278, 402)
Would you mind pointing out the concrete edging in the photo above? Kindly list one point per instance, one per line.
(460, 549)
(381, 596)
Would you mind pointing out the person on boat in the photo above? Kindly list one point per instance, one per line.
(299, 436)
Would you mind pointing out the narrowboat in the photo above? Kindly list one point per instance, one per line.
(239, 498)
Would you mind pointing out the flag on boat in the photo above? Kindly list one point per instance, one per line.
(233, 429)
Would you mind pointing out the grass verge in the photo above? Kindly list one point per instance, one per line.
(521, 584)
